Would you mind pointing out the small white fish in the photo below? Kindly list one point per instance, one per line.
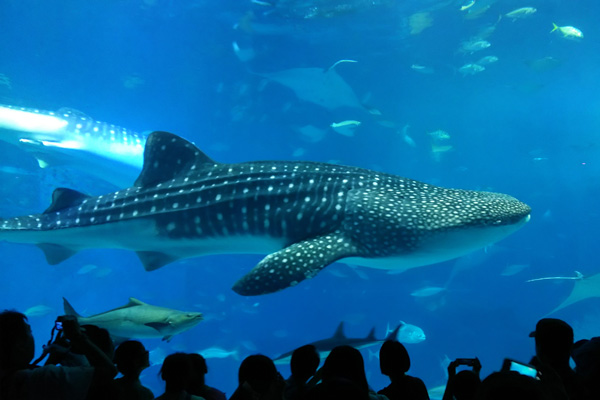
(487, 60)
(345, 128)
(569, 32)
(422, 69)
(407, 139)
(521, 13)
(471, 69)
(38, 311)
(86, 269)
(471, 46)
(217, 352)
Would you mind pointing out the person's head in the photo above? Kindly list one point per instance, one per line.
(345, 362)
(131, 358)
(17, 346)
(553, 340)
(259, 372)
(175, 371)
(199, 369)
(305, 361)
(465, 385)
(393, 358)
(101, 338)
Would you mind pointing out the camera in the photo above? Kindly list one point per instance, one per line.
(465, 361)
(58, 325)
(521, 368)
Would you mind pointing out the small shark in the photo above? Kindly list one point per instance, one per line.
(68, 137)
(325, 346)
(304, 215)
(139, 320)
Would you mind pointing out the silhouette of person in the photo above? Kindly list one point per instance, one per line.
(343, 377)
(131, 358)
(394, 362)
(463, 385)
(176, 371)
(586, 354)
(510, 385)
(198, 384)
(553, 346)
(20, 380)
(258, 379)
(304, 364)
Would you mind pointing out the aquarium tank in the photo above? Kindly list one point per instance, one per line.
(424, 170)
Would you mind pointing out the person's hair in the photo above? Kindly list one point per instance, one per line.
(175, 371)
(259, 371)
(128, 356)
(346, 363)
(393, 358)
(305, 361)
(101, 338)
(13, 325)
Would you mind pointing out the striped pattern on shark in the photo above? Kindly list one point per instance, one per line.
(304, 215)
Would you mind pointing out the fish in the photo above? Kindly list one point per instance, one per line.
(422, 69)
(487, 60)
(407, 333)
(323, 87)
(339, 338)
(428, 291)
(139, 320)
(522, 12)
(473, 45)
(38, 311)
(70, 138)
(471, 69)
(585, 287)
(303, 215)
(569, 32)
(345, 128)
(217, 352)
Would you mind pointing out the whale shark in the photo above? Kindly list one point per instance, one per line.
(139, 320)
(70, 138)
(303, 215)
(339, 338)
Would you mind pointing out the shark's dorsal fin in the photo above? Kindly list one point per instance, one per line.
(166, 157)
(393, 335)
(135, 302)
(69, 310)
(64, 198)
(371, 335)
(339, 332)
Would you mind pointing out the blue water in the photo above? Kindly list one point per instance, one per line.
(527, 125)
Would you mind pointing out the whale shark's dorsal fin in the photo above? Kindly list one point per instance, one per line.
(339, 332)
(64, 198)
(167, 156)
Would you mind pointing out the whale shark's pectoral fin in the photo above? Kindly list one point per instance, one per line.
(55, 254)
(291, 265)
(154, 260)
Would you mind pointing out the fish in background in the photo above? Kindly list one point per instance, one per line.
(218, 352)
(70, 138)
(139, 320)
(339, 338)
(407, 333)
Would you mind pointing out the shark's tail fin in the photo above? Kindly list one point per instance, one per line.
(69, 310)
(393, 335)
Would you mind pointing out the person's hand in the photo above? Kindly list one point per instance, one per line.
(71, 329)
(477, 366)
(452, 369)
